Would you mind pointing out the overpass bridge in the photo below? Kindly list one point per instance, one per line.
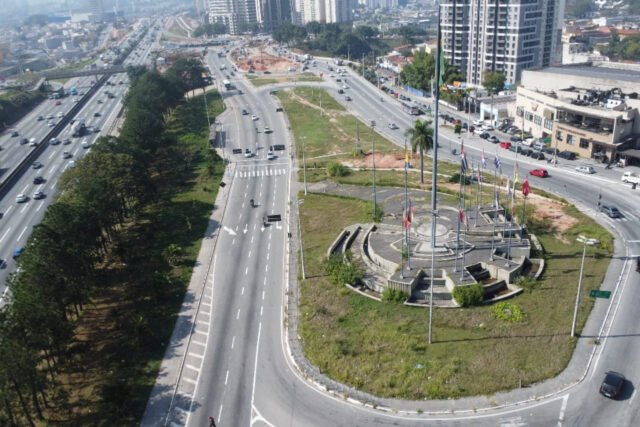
(65, 74)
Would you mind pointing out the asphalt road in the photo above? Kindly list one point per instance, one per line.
(100, 112)
(239, 366)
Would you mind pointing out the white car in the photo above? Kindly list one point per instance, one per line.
(86, 143)
(21, 198)
(60, 114)
(247, 153)
(270, 155)
(393, 126)
(586, 169)
(254, 117)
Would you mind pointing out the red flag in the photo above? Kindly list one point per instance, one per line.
(461, 216)
(525, 187)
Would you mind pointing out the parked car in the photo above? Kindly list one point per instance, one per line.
(538, 146)
(586, 169)
(515, 138)
(568, 155)
(549, 150)
(611, 211)
(494, 139)
(540, 172)
(484, 135)
(505, 144)
(537, 155)
(612, 385)
(526, 151)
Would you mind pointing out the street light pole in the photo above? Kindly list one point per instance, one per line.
(373, 158)
(585, 242)
(304, 166)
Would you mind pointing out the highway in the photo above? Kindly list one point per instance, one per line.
(99, 114)
(237, 365)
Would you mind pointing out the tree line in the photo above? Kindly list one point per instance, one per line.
(62, 266)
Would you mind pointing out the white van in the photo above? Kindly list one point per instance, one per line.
(586, 169)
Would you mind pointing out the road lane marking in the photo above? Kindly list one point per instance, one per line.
(54, 184)
(23, 208)
(262, 294)
(269, 246)
(238, 315)
(242, 292)
(233, 341)
(20, 236)
(233, 242)
(266, 268)
(194, 368)
(255, 366)
(226, 378)
(39, 206)
(251, 239)
(189, 380)
(5, 234)
(261, 309)
(264, 283)
(8, 209)
(249, 254)
(562, 409)
(195, 355)
(246, 271)
(24, 190)
(267, 256)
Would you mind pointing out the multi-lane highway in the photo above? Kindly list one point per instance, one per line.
(235, 364)
(98, 113)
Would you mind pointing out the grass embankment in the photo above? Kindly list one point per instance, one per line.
(381, 347)
(121, 344)
(14, 105)
(263, 81)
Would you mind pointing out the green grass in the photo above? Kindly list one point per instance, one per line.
(381, 347)
(121, 345)
(263, 81)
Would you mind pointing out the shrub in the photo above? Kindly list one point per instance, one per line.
(508, 311)
(341, 272)
(394, 295)
(468, 296)
(526, 283)
(455, 178)
(336, 169)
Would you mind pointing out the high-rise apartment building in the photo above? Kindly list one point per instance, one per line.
(504, 36)
(327, 11)
(237, 15)
(272, 13)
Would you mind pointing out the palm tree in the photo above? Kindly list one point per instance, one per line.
(421, 138)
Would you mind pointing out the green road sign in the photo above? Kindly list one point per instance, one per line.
(600, 294)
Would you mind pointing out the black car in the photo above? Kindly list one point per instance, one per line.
(549, 150)
(612, 385)
(526, 151)
(484, 135)
(568, 155)
(515, 138)
(38, 180)
(537, 155)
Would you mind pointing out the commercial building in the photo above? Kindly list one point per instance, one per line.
(591, 111)
(327, 11)
(481, 36)
(270, 14)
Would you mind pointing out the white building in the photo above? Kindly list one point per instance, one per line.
(237, 15)
(481, 36)
(327, 11)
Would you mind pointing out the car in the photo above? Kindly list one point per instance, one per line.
(24, 141)
(247, 153)
(36, 165)
(38, 180)
(99, 101)
(393, 126)
(49, 116)
(17, 252)
(254, 117)
(245, 112)
(585, 169)
(96, 114)
(515, 138)
(537, 155)
(21, 198)
(58, 102)
(86, 143)
(66, 141)
(487, 127)
(478, 122)
(51, 123)
(611, 211)
(494, 139)
(526, 151)
(345, 87)
(347, 98)
(270, 155)
(279, 109)
(54, 141)
(340, 91)
(38, 195)
(551, 151)
(40, 118)
(14, 133)
(34, 142)
(267, 129)
(612, 385)
(505, 144)
(484, 135)
(540, 172)
(568, 155)
(60, 114)
(539, 146)
(465, 126)
(72, 164)
(66, 155)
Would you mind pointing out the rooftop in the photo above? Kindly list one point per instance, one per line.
(601, 72)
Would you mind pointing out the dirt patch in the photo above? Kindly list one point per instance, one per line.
(383, 160)
(552, 211)
(257, 59)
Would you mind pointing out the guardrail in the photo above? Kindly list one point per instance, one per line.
(10, 179)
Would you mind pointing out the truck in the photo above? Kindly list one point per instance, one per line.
(338, 61)
(78, 129)
(73, 91)
(630, 178)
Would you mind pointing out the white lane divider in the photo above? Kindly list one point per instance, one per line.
(238, 315)
(242, 291)
(8, 209)
(233, 342)
(39, 206)
(5, 234)
(20, 236)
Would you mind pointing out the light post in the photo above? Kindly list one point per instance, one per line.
(304, 166)
(590, 242)
(373, 158)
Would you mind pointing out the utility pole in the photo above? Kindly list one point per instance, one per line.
(585, 241)
(304, 166)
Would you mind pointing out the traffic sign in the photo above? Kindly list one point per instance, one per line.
(599, 294)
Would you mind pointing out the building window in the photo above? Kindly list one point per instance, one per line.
(528, 116)
(519, 111)
(559, 135)
(584, 143)
(537, 120)
(571, 139)
(548, 124)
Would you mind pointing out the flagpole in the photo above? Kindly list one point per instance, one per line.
(455, 265)
(434, 181)
(504, 234)
(478, 198)
(406, 203)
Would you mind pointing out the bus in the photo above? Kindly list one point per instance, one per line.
(410, 108)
